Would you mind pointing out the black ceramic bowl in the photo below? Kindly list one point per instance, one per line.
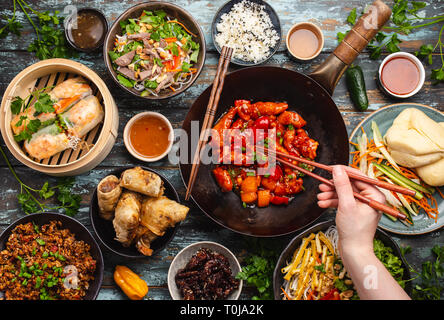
(274, 20)
(69, 29)
(104, 229)
(81, 233)
(172, 11)
(287, 254)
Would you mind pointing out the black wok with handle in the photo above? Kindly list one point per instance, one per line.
(310, 96)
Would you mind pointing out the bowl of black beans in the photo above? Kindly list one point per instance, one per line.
(204, 271)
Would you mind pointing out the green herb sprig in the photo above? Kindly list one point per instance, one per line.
(258, 270)
(405, 18)
(50, 39)
(431, 276)
(43, 104)
(34, 200)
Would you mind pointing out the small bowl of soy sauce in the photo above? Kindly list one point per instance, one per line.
(86, 29)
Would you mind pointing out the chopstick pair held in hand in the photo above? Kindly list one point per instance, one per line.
(342, 194)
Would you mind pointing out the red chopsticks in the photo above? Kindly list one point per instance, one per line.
(372, 203)
(354, 176)
(216, 91)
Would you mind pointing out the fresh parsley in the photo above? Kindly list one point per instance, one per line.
(405, 18)
(430, 278)
(258, 271)
(34, 200)
(50, 39)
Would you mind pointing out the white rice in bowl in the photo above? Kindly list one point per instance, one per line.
(248, 29)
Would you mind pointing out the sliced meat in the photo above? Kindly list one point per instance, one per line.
(166, 82)
(152, 53)
(163, 44)
(145, 74)
(126, 59)
(147, 44)
(148, 65)
(127, 73)
(139, 36)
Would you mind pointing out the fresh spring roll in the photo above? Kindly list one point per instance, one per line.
(126, 217)
(144, 182)
(65, 95)
(108, 194)
(83, 116)
(159, 214)
(30, 114)
(69, 92)
(47, 142)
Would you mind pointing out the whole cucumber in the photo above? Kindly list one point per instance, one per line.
(356, 87)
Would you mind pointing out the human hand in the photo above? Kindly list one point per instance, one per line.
(356, 222)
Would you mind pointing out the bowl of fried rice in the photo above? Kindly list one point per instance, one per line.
(49, 256)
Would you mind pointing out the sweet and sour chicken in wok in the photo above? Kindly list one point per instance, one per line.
(243, 166)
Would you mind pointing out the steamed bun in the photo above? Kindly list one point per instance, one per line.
(416, 141)
(413, 132)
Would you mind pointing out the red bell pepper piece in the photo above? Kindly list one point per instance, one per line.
(331, 295)
(262, 123)
(279, 200)
(275, 173)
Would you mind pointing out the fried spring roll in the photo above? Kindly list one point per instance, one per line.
(126, 217)
(159, 214)
(108, 194)
(142, 181)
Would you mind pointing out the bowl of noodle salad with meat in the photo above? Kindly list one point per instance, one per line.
(155, 50)
(310, 268)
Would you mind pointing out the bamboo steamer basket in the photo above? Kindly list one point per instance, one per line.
(99, 141)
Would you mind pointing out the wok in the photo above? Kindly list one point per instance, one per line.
(308, 95)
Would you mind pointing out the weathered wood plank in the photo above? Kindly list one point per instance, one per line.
(176, 108)
(329, 15)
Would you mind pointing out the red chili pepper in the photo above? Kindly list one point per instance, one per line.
(238, 103)
(331, 295)
(276, 173)
(262, 123)
(279, 200)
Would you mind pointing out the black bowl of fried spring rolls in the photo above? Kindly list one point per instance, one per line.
(135, 212)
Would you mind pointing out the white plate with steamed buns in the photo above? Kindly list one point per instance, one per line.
(384, 118)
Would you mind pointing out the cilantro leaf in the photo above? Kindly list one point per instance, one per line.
(352, 17)
(438, 75)
(16, 105)
(44, 104)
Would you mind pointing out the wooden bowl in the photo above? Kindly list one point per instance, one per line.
(69, 162)
(104, 229)
(80, 232)
(173, 11)
(287, 254)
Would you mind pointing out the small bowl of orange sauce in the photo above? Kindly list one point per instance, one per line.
(305, 41)
(401, 75)
(148, 136)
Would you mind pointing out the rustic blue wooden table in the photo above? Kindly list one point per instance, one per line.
(329, 15)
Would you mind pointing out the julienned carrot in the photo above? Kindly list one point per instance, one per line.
(285, 293)
(431, 208)
(172, 39)
(310, 295)
(440, 193)
(181, 24)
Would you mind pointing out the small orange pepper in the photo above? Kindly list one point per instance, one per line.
(130, 283)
